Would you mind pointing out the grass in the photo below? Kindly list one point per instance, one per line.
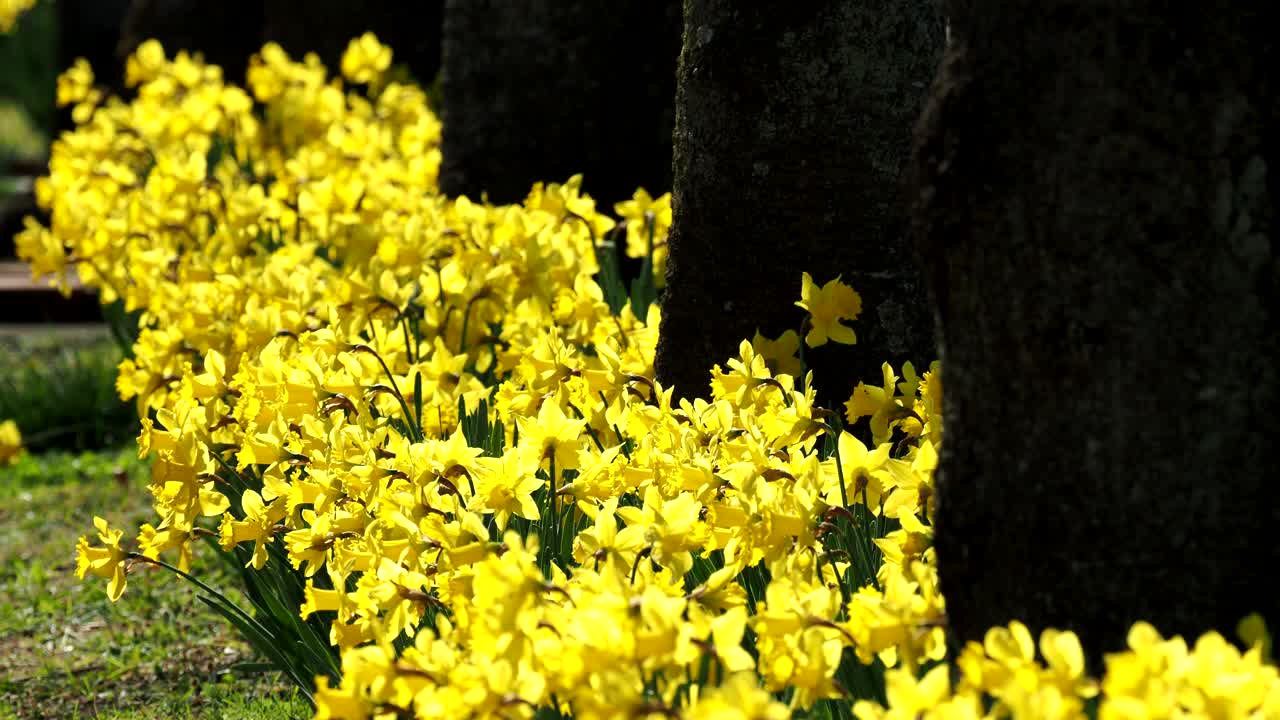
(71, 653)
(18, 137)
(60, 390)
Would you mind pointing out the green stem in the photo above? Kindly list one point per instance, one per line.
(200, 584)
(410, 347)
(415, 430)
(248, 619)
(551, 520)
(844, 494)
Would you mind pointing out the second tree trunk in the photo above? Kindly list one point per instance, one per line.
(1097, 196)
(793, 124)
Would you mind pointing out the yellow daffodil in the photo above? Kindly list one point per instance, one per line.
(10, 443)
(107, 561)
(505, 487)
(365, 59)
(551, 436)
(828, 305)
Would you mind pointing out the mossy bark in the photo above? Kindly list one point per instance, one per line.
(411, 28)
(1097, 193)
(793, 126)
(541, 90)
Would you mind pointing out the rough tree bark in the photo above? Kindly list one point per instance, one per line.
(543, 89)
(793, 125)
(1096, 208)
(411, 28)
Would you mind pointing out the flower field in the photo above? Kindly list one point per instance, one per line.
(427, 431)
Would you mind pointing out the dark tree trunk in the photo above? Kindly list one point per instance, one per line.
(89, 29)
(1097, 213)
(225, 32)
(411, 28)
(543, 89)
(793, 125)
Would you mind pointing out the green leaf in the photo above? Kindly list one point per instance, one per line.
(263, 643)
(417, 399)
(610, 276)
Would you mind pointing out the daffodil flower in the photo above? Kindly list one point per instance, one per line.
(107, 561)
(828, 306)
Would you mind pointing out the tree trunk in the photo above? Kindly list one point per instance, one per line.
(225, 32)
(411, 28)
(793, 124)
(1096, 211)
(544, 89)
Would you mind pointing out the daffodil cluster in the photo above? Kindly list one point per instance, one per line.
(1002, 677)
(432, 410)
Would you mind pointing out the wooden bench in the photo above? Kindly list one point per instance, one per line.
(25, 301)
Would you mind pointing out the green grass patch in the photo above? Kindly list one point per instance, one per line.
(61, 392)
(69, 652)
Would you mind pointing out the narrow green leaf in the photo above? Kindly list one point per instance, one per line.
(417, 399)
